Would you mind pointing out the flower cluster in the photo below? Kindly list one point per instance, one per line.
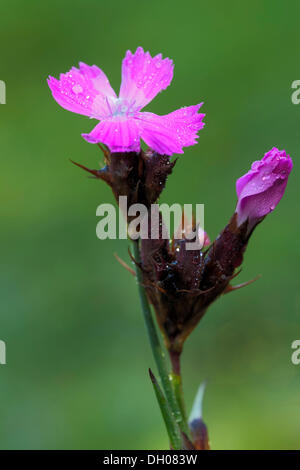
(187, 282)
(180, 283)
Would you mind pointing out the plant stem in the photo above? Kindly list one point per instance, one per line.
(157, 350)
(178, 389)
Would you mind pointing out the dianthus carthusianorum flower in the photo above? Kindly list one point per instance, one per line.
(87, 91)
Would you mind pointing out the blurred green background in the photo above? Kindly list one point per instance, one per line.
(77, 353)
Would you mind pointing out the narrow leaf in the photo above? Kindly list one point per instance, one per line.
(171, 425)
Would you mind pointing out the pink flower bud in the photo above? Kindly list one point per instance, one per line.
(260, 190)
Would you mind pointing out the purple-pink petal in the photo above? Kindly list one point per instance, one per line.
(143, 77)
(84, 91)
(170, 133)
(260, 190)
(119, 134)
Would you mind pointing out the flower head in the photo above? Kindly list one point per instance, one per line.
(87, 91)
(260, 190)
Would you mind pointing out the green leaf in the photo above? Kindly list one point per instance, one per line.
(168, 417)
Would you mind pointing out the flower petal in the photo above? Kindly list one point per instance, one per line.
(118, 133)
(143, 77)
(99, 79)
(84, 91)
(170, 133)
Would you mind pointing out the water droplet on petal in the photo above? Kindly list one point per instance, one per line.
(77, 89)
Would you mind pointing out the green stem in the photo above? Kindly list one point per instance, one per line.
(158, 353)
(178, 389)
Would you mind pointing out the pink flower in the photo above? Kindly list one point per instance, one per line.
(87, 91)
(260, 190)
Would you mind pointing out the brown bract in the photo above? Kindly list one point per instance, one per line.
(182, 283)
(139, 176)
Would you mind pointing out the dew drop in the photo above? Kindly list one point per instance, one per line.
(77, 89)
